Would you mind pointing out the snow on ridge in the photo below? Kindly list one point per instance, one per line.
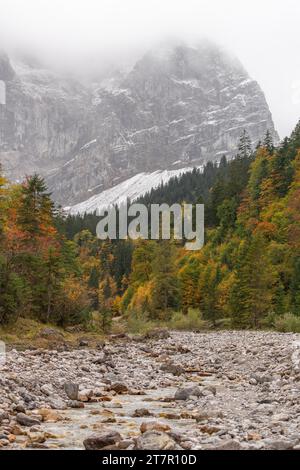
(132, 189)
(88, 145)
(192, 82)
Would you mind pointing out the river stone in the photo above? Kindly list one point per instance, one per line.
(49, 416)
(155, 440)
(99, 441)
(85, 395)
(141, 412)
(229, 445)
(57, 403)
(154, 426)
(158, 333)
(174, 369)
(51, 334)
(19, 408)
(262, 379)
(186, 393)
(101, 359)
(119, 388)
(36, 437)
(3, 416)
(25, 420)
(276, 444)
(47, 390)
(75, 404)
(71, 390)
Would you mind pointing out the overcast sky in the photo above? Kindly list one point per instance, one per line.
(264, 34)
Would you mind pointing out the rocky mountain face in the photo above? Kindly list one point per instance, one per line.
(177, 106)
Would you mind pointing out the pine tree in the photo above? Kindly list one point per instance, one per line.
(3, 202)
(14, 293)
(142, 260)
(107, 293)
(259, 171)
(36, 210)
(93, 284)
(253, 291)
(53, 276)
(295, 287)
(165, 283)
(209, 294)
(245, 146)
(268, 142)
(188, 284)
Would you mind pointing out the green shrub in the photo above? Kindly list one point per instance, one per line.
(138, 323)
(192, 321)
(288, 323)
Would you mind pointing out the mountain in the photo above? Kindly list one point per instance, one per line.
(177, 107)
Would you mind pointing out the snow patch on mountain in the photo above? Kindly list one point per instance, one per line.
(132, 189)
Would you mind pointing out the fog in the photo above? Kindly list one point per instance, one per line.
(81, 33)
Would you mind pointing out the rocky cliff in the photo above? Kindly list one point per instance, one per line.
(177, 106)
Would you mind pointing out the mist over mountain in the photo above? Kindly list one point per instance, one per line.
(178, 106)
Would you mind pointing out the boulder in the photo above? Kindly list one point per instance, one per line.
(47, 390)
(49, 416)
(279, 444)
(154, 426)
(229, 445)
(174, 369)
(71, 390)
(156, 440)
(51, 334)
(101, 359)
(119, 388)
(141, 412)
(19, 408)
(3, 416)
(85, 395)
(75, 404)
(158, 333)
(99, 441)
(57, 403)
(26, 420)
(186, 393)
(36, 437)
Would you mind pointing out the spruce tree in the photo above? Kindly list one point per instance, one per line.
(295, 288)
(165, 283)
(209, 281)
(252, 293)
(36, 211)
(268, 142)
(3, 202)
(245, 145)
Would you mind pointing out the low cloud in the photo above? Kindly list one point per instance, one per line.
(92, 33)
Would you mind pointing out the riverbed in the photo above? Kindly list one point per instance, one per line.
(174, 390)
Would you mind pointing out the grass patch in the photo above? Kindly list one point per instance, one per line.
(289, 323)
(25, 333)
(138, 323)
(23, 329)
(192, 321)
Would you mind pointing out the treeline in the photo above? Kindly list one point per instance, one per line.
(193, 187)
(249, 270)
(43, 275)
(248, 273)
(53, 268)
(40, 272)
